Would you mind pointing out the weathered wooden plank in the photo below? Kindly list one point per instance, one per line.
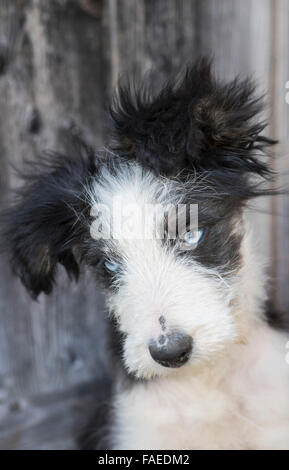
(150, 34)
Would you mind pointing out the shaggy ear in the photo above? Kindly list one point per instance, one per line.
(46, 223)
(194, 122)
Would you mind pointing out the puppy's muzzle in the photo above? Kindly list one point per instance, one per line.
(172, 350)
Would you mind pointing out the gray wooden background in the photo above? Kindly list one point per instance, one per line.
(59, 60)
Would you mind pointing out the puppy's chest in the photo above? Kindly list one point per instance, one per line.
(185, 415)
(191, 414)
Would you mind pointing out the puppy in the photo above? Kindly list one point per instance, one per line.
(195, 363)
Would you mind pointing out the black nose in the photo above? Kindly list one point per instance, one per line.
(172, 350)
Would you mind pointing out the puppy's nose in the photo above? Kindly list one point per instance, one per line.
(172, 350)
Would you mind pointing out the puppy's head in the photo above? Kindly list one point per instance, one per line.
(172, 280)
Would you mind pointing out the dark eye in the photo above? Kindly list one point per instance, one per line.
(112, 266)
(193, 237)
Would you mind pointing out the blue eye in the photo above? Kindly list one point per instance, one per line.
(111, 266)
(193, 237)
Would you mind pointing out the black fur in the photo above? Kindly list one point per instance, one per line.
(219, 248)
(45, 223)
(194, 122)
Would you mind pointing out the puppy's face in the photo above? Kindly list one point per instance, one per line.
(171, 289)
(170, 286)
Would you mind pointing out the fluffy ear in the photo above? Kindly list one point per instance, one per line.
(193, 122)
(47, 221)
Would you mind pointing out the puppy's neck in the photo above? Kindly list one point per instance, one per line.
(251, 293)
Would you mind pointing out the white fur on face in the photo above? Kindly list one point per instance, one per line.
(155, 282)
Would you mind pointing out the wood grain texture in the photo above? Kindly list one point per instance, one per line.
(59, 60)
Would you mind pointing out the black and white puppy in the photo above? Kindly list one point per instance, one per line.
(197, 365)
